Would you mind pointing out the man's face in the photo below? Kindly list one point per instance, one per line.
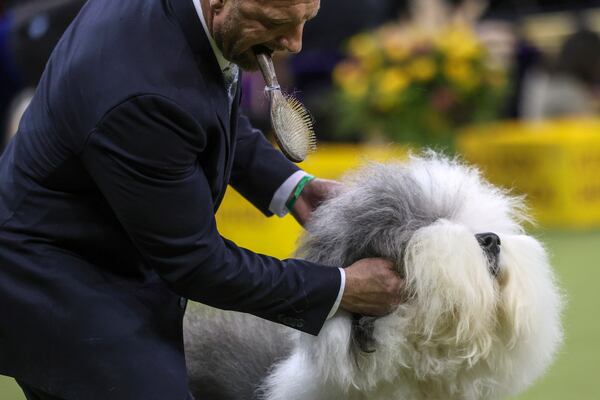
(239, 25)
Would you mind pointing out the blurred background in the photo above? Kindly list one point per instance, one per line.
(510, 86)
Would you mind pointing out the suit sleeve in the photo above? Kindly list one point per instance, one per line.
(259, 169)
(143, 156)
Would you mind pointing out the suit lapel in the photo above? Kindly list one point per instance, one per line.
(185, 13)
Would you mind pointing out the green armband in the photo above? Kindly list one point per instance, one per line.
(298, 190)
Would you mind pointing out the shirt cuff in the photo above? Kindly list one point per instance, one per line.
(282, 194)
(336, 305)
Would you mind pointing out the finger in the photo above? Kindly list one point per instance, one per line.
(386, 263)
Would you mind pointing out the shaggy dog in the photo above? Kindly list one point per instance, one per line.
(481, 318)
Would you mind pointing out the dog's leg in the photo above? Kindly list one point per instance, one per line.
(320, 368)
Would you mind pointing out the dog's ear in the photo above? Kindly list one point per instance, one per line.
(530, 304)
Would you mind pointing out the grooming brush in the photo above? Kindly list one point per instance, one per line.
(290, 120)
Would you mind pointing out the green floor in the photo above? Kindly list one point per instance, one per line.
(576, 257)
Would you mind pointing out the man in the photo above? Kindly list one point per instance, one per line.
(108, 193)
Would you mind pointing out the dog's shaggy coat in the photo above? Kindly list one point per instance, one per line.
(463, 332)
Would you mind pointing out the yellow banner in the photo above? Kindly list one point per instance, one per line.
(555, 164)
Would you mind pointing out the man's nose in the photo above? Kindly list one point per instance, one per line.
(292, 40)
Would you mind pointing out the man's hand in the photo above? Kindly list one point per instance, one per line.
(373, 287)
(314, 193)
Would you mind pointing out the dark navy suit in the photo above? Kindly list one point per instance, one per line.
(107, 201)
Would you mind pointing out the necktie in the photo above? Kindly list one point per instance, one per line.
(230, 75)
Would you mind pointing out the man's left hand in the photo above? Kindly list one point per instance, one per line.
(313, 194)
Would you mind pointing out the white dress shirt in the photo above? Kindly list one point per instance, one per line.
(282, 194)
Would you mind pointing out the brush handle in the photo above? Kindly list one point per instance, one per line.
(268, 71)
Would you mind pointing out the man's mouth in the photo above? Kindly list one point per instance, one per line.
(261, 49)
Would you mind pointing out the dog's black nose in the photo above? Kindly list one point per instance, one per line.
(490, 243)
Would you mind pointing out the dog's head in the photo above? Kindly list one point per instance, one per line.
(482, 303)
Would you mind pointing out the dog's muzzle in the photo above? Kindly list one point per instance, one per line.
(490, 243)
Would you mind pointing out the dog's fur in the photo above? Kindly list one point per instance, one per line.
(462, 333)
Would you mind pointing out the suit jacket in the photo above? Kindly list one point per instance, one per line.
(107, 201)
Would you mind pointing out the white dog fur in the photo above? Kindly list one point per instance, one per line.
(462, 333)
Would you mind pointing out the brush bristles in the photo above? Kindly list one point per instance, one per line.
(293, 127)
(304, 117)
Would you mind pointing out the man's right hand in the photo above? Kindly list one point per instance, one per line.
(373, 287)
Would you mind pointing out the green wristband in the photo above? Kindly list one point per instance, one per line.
(298, 190)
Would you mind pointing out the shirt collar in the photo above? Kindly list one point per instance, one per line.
(223, 62)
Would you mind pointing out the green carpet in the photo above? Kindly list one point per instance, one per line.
(576, 257)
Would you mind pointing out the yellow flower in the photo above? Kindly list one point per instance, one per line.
(394, 43)
(459, 42)
(389, 85)
(392, 81)
(351, 78)
(422, 68)
(364, 47)
(347, 73)
(461, 73)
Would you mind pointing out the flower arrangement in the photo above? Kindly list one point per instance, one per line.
(416, 87)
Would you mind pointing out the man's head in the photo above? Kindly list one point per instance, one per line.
(239, 25)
